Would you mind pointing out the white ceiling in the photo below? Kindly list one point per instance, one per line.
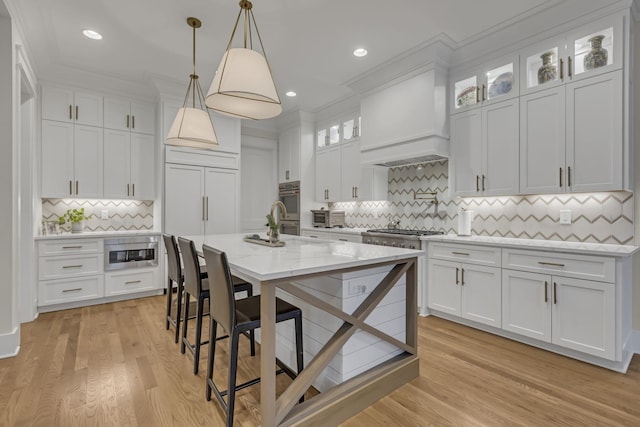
(309, 43)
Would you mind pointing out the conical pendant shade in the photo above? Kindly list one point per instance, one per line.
(192, 127)
(243, 86)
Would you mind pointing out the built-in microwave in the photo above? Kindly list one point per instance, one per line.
(130, 252)
(327, 218)
(289, 195)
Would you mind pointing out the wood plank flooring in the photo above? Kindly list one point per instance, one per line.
(116, 365)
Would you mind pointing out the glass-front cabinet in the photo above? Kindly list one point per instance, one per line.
(588, 51)
(494, 82)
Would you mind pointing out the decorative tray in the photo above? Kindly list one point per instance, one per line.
(263, 242)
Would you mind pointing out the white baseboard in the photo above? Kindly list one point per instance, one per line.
(633, 345)
(10, 343)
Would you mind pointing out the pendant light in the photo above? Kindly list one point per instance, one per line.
(243, 85)
(192, 126)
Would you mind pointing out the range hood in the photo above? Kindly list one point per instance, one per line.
(406, 123)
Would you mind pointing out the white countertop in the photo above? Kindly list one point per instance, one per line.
(99, 234)
(300, 255)
(344, 230)
(547, 245)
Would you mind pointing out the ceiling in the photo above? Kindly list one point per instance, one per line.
(309, 43)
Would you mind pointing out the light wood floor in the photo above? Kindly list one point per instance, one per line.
(116, 365)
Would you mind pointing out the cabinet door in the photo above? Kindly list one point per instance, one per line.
(594, 133)
(143, 118)
(221, 196)
(526, 301)
(228, 132)
(500, 148)
(328, 169)
(542, 141)
(481, 294)
(88, 109)
(184, 200)
(584, 316)
(284, 155)
(57, 159)
(444, 286)
(117, 164)
(596, 48)
(543, 65)
(117, 114)
(57, 104)
(295, 140)
(87, 159)
(350, 171)
(466, 152)
(143, 167)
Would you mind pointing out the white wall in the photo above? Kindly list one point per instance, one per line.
(9, 326)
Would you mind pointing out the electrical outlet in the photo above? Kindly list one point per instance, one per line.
(565, 217)
(104, 214)
(357, 289)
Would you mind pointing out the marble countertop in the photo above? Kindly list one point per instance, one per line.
(300, 255)
(99, 234)
(344, 230)
(547, 245)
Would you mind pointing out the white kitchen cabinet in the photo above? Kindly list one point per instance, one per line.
(566, 55)
(200, 200)
(332, 235)
(485, 150)
(289, 155)
(470, 291)
(71, 106)
(360, 182)
(573, 313)
(129, 165)
(129, 282)
(328, 171)
(126, 115)
(71, 160)
(571, 137)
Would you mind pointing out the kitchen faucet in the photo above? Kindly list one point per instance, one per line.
(283, 209)
(394, 224)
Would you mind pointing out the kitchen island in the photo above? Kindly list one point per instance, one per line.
(300, 268)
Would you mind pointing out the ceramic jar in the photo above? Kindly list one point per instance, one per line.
(548, 71)
(598, 56)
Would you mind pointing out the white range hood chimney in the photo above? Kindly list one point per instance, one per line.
(406, 122)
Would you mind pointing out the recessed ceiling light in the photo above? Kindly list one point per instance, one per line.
(291, 93)
(360, 52)
(92, 34)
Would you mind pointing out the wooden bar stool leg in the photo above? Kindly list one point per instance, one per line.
(185, 323)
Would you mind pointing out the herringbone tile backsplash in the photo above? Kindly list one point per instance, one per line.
(596, 217)
(123, 214)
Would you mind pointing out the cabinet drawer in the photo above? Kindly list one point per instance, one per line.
(356, 238)
(69, 246)
(69, 266)
(482, 255)
(125, 283)
(589, 267)
(69, 290)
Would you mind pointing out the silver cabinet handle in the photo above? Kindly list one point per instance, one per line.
(132, 282)
(555, 293)
(457, 273)
(462, 276)
(64, 291)
(546, 296)
(560, 177)
(207, 205)
(561, 69)
(127, 121)
(133, 190)
(555, 264)
(70, 112)
(128, 193)
(77, 112)
(72, 247)
(568, 176)
(477, 183)
(356, 192)
(203, 205)
(315, 237)
(70, 188)
(72, 266)
(484, 92)
(477, 94)
(77, 186)
(460, 253)
(569, 66)
(483, 178)
(133, 122)
(343, 240)
(286, 175)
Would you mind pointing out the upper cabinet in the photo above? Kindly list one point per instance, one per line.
(289, 155)
(588, 51)
(122, 114)
(67, 105)
(495, 81)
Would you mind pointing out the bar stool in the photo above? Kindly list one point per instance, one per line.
(174, 276)
(198, 287)
(237, 317)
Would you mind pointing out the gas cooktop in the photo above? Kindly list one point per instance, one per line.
(403, 232)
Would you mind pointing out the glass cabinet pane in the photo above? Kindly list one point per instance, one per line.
(348, 130)
(499, 81)
(334, 134)
(593, 51)
(542, 67)
(322, 138)
(466, 92)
